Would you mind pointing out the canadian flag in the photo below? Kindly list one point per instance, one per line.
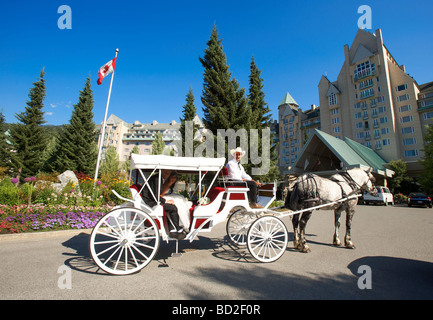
(106, 69)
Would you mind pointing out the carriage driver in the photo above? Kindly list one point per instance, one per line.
(168, 180)
(237, 172)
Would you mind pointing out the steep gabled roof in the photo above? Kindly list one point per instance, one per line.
(288, 99)
(328, 151)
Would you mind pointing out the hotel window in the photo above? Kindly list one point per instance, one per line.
(411, 153)
(427, 103)
(358, 125)
(332, 99)
(380, 99)
(336, 129)
(384, 130)
(404, 108)
(407, 130)
(358, 115)
(367, 93)
(428, 115)
(401, 87)
(386, 142)
(368, 144)
(360, 135)
(403, 97)
(334, 111)
(406, 119)
(383, 120)
(335, 120)
(409, 141)
(382, 109)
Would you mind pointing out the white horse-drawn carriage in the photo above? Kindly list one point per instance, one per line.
(127, 238)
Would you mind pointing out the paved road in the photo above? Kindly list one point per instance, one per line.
(395, 243)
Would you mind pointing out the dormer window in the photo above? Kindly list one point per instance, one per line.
(332, 99)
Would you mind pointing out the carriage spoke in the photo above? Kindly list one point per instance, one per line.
(267, 239)
(124, 241)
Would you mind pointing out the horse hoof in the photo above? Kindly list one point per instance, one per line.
(304, 249)
(337, 243)
(350, 246)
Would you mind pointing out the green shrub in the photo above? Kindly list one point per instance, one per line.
(8, 193)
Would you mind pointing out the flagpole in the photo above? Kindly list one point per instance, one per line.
(101, 142)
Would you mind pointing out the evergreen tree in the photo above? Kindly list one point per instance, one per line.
(426, 180)
(110, 164)
(260, 119)
(4, 145)
(260, 116)
(76, 147)
(158, 144)
(28, 137)
(225, 105)
(189, 112)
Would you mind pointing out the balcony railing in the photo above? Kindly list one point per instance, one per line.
(365, 73)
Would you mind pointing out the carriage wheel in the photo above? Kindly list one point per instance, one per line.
(124, 241)
(238, 225)
(267, 239)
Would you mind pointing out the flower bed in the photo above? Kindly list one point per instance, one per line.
(32, 218)
(35, 205)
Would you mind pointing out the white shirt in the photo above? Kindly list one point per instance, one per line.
(236, 171)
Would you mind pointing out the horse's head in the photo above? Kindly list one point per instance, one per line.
(369, 184)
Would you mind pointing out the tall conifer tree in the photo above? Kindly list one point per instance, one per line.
(260, 119)
(189, 112)
(4, 145)
(225, 104)
(76, 147)
(28, 136)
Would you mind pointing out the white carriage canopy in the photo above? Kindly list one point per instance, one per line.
(191, 164)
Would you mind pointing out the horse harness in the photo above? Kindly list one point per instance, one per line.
(349, 180)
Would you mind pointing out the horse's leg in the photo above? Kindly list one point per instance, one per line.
(303, 247)
(337, 214)
(295, 223)
(350, 211)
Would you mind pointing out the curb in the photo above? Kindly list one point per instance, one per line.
(41, 235)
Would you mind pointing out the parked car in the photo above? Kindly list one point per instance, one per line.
(383, 196)
(419, 199)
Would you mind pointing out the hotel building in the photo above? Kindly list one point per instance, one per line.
(375, 102)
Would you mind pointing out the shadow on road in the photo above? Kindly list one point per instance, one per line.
(397, 278)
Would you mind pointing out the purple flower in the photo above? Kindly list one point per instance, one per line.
(15, 180)
(32, 178)
(99, 183)
(27, 179)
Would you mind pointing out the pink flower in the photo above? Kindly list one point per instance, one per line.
(15, 180)
(99, 183)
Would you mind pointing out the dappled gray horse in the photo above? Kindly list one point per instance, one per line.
(310, 190)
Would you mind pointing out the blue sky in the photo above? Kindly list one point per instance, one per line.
(293, 42)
